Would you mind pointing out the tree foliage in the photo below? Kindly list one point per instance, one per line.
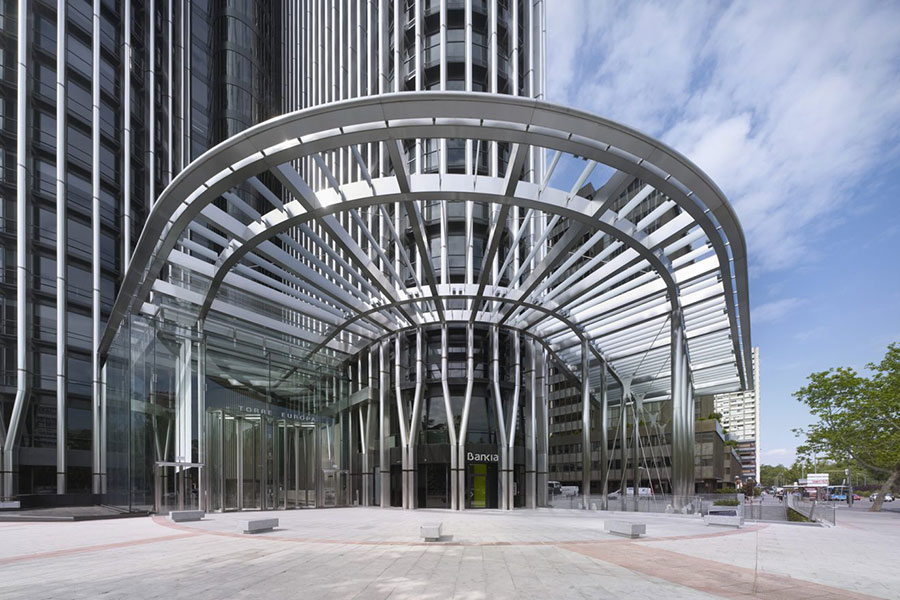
(858, 417)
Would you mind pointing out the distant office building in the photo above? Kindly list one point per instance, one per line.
(740, 417)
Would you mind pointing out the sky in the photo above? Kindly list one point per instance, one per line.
(793, 109)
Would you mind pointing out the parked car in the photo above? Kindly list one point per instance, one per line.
(887, 497)
(569, 490)
(856, 498)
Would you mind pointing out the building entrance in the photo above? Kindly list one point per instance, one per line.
(481, 485)
(257, 462)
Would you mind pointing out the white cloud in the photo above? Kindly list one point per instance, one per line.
(776, 452)
(787, 106)
(772, 311)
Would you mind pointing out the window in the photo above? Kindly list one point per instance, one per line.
(79, 238)
(45, 128)
(80, 331)
(44, 177)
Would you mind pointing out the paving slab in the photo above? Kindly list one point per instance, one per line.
(376, 553)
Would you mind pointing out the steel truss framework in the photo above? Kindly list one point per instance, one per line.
(658, 305)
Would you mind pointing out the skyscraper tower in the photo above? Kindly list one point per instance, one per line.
(101, 105)
(362, 260)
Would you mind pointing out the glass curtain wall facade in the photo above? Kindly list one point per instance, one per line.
(102, 103)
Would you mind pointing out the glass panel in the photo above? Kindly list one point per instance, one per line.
(479, 486)
(250, 452)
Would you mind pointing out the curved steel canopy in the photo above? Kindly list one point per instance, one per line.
(327, 279)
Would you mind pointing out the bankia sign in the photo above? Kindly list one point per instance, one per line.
(482, 457)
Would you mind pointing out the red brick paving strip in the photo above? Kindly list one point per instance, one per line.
(81, 549)
(709, 576)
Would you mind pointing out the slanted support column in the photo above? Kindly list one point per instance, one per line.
(585, 426)
(682, 441)
(414, 424)
(514, 423)
(448, 408)
(498, 406)
(464, 423)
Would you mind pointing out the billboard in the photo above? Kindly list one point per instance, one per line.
(817, 479)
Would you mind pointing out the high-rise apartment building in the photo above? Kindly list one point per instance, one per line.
(343, 252)
(740, 417)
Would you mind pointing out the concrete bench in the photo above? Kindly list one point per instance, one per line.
(625, 528)
(257, 525)
(731, 520)
(431, 532)
(179, 516)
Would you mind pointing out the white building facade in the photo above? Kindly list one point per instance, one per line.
(740, 416)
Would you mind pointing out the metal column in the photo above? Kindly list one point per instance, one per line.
(22, 187)
(635, 443)
(604, 440)
(682, 444)
(415, 422)
(585, 425)
(498, 406)
(464, 423)
(384, 468)
(61, 247)
(513, 423)
(403, 422)
(95, 253)
(203, 479)
(531, 431)
(451, 426)
(623, 444)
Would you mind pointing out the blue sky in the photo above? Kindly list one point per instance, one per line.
(794, 110)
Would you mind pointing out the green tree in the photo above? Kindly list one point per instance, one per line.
(858, 417)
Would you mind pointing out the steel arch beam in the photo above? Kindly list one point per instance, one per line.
(395, 117)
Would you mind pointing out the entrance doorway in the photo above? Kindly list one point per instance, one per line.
(256, 462)
(176, 486)
(481, 485)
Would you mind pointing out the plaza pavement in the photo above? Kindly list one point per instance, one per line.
(375, 553)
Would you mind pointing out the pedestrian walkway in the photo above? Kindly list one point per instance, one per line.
(376, 553)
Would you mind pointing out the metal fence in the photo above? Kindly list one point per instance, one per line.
(765, 510)
(755, 509)
(818, 512)
(656, 503)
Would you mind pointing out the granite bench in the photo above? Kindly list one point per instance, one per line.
(179, 516)
(257, 525)
(625, 528)
(431, 532)
(727, 518)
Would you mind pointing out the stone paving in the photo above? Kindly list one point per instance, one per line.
(376, 553)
